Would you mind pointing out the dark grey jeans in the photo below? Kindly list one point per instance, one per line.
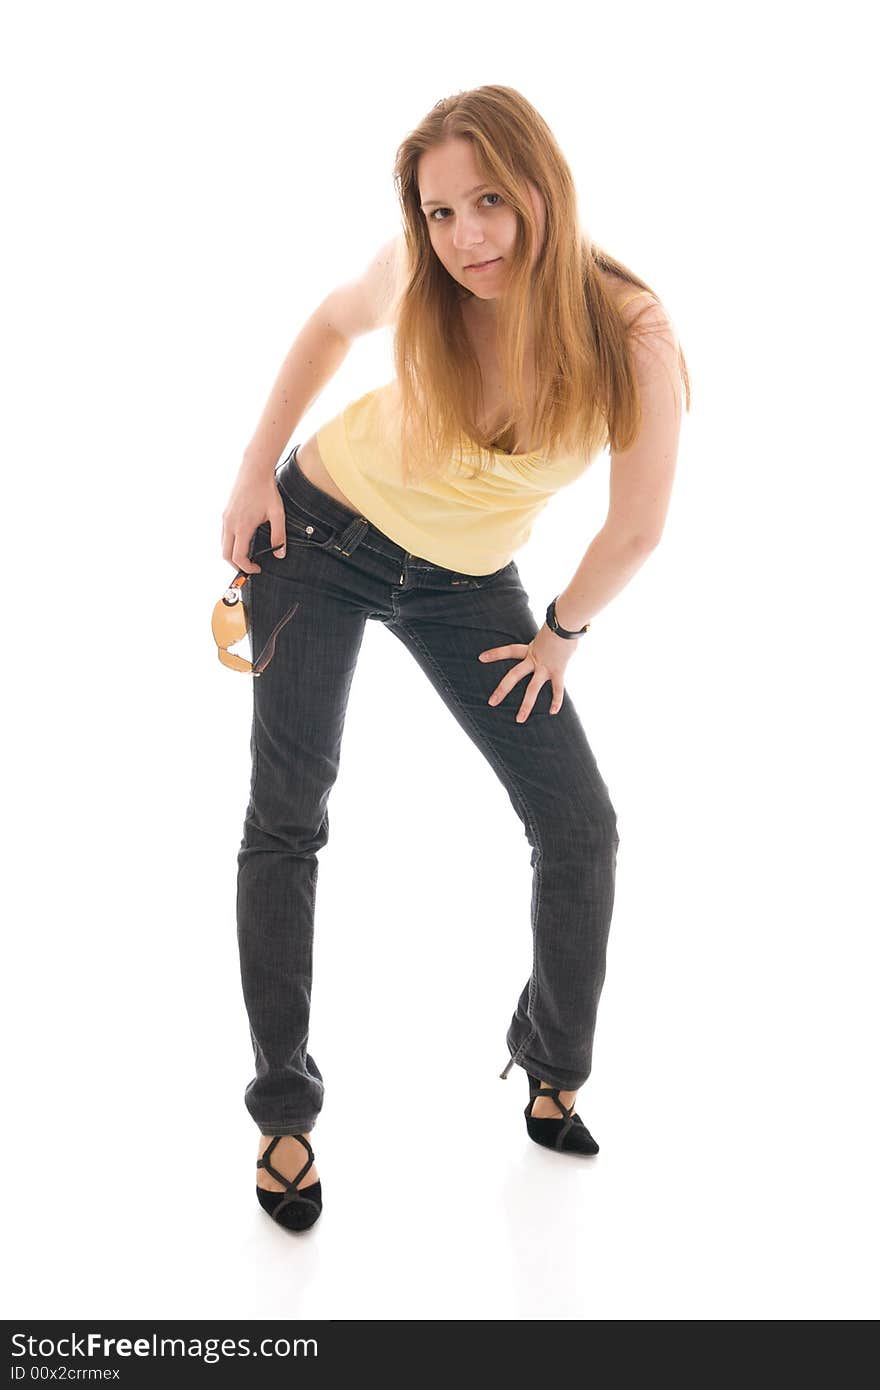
(344, 570)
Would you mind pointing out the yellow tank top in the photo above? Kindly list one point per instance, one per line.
(472, 525)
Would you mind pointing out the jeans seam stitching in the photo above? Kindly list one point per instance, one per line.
(377, 550)
(526, 816)
(256, 757)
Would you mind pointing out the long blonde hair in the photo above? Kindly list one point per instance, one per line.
(586, 394)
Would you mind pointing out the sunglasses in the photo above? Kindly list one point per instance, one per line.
(230, 622)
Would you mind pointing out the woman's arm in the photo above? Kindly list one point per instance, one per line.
(359, 306)
(641, 479)
(356, 307)
(316, 354)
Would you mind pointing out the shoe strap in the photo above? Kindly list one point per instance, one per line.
(290, 1184)
(567, 1111)
(553, 1091)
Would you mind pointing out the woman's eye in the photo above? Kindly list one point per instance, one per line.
(444, 219)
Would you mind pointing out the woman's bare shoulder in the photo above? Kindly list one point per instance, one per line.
(371, 299)
(623, 292)
(393, 278)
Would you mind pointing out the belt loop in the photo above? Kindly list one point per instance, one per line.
(352, 535)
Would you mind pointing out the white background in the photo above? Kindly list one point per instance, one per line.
(184, 183)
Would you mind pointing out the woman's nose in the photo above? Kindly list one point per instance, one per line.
(466, 238)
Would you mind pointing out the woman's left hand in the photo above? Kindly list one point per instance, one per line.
(544, 659)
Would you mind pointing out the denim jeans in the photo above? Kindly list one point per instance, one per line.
(344, 571)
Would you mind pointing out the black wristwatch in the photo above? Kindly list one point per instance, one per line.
(554, 626)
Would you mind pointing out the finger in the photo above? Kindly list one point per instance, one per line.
(227, 540)
(531, 695)
(240, 555)
(278, 534)
(556, 702)
(513, 677)
(229, 555)
(496, 653)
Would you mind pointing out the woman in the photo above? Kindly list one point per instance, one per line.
(520, 351)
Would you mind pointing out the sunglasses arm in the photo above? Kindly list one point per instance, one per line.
(268, 651)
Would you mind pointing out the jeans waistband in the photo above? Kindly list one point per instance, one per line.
(293, 480)
(323, 507)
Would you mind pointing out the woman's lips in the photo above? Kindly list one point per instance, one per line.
(485, 265)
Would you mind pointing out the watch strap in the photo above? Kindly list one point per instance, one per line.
(555, 626)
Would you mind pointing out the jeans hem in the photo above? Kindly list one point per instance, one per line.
(292, 1127)
(565, 1080)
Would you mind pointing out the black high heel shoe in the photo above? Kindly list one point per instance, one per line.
(294, 1209)
(568, 1135)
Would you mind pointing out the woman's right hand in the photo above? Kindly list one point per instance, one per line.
(254, 499)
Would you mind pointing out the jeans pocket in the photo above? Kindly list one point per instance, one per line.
(305, 521)
(303, 526)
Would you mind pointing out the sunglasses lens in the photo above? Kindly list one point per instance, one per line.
(228, 622)
(235, 663)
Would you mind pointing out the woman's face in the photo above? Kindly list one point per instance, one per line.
(468, 222)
